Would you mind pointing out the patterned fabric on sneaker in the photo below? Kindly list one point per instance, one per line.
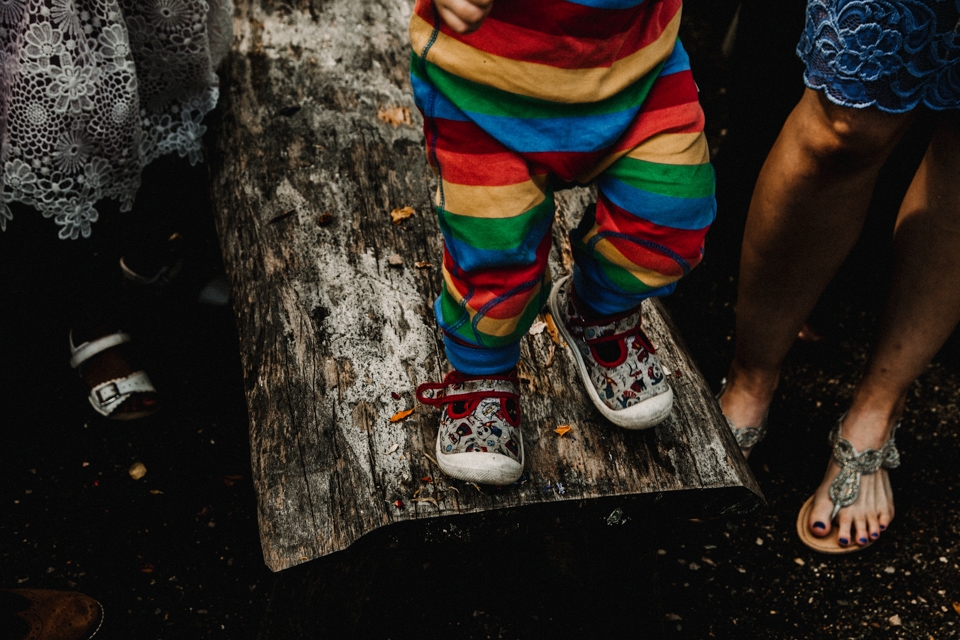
(624, 374)
(480, 414)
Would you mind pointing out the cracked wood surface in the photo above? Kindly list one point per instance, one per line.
(319, 141)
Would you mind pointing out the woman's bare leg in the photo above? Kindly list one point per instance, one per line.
(807, 211)
(922, 309)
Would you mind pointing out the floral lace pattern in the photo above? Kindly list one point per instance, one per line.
(891, 54)
(91, 91)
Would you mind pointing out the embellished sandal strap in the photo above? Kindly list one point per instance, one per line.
(457, 387)
(746, 437)
(845, 488)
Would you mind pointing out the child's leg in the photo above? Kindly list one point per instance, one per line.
(626, 250)
(495, 218)
(656, 202)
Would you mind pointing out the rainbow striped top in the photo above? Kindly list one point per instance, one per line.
(567, 51)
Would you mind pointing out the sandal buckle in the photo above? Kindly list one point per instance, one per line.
(107, 393)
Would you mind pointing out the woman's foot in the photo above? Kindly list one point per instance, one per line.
(109, 376)
(744, 401)
(870, 514)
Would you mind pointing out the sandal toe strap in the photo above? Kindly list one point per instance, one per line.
(107, 396)
(84, 351)
(845, 488)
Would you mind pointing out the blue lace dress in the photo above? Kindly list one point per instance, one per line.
(894, 55)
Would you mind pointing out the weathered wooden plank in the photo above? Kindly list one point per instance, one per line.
(305, 176)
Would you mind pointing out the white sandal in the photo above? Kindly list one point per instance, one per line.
(107, 396)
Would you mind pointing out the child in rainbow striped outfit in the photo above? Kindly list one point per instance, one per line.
(516, 94)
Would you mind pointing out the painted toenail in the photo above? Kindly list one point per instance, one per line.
(844, 541)
(874, 535)
(819, 525)
(863, 540)
(882, 528)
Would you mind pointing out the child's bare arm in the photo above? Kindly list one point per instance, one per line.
(463, 16)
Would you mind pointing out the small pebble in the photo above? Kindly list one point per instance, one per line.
(137, 470)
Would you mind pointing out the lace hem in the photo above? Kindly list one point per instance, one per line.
(91, 91)
(892, 55)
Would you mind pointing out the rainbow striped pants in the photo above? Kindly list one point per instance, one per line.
(496, 155)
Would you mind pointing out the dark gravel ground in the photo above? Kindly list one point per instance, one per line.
(176, 553)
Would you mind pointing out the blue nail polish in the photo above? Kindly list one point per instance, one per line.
(874, 535)
(863, 541)
(819, 525)
(844, 541)
(882, 528)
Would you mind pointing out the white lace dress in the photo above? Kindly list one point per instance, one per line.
(91, 91)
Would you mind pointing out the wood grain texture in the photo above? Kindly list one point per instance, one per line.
(319, 141)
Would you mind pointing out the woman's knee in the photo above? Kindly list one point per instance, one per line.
(845, 138)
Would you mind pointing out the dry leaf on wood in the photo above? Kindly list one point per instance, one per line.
(395, 115)
(563, 430)
(399, 215)
(537, 328)
(423, 264)
(400, 415)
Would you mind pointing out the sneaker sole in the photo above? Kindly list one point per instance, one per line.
(481, 466)
(643, 415)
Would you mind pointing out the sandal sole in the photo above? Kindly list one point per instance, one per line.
(829, 544)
